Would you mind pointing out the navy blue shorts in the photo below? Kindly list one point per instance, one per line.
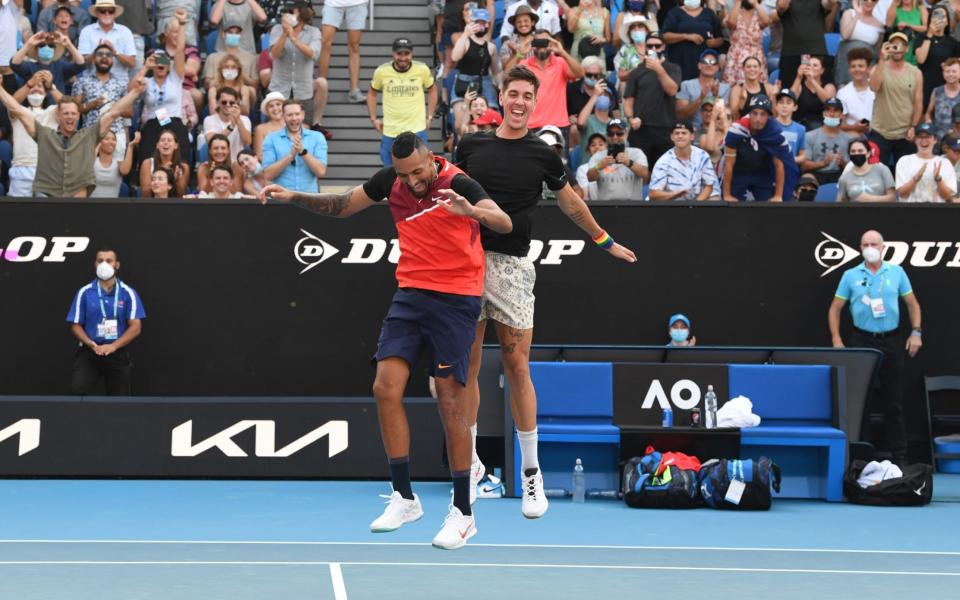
(442, 324)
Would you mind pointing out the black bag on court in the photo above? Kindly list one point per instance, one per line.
(674, 488)
(734, 484)
(915, 488)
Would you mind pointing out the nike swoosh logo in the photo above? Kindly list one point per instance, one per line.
(487, 489)
(919, 490)
(463, 534)
(443, 366)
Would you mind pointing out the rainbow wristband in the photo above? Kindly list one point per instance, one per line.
(603, 240)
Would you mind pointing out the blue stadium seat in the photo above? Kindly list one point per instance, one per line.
(85, 5)
(827, 193)
(774, 76)
(210, 41)
(124, 190)
(202, 153)
(264, 41)
(833, 42)
(6, 153)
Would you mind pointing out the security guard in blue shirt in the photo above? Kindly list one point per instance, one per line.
(874, 289)
(105, 317)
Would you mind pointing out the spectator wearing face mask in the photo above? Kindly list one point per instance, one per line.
(105, 317)
(588, 189)
(594, 118)
(228, 14)
(862, 181)
(688, 30)
(231, 48)
(633, 10)
(229, 74)
(826, 146)
(474, 54)
(807, 188)
(47, 51)
(679, 330)
(253, 178)
(579, 92)
(649, 99)
(633, 33)
(23, 169)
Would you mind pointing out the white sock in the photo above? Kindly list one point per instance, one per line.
(528, 449)
(473, 441)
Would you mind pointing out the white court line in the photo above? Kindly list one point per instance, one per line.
(472, 545)
(308, 563)
(339, 588)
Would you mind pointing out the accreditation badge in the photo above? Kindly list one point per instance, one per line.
(108, 329)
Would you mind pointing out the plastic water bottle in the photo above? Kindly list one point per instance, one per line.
(579, 484)
(667, 417)
(710, 412)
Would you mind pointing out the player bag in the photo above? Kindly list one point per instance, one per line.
(672, 488)
(739, 484)
(915, 488)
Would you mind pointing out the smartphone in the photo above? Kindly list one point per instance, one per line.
(864, 121)
(473, 86)
(652, 53)
(540, 43)
(805, 59)
(471, 6)
(614, 150)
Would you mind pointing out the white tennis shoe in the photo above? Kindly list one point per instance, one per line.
(398, 513)
(456, 530)
(534, 502)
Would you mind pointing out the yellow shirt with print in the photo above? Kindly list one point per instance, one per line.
(403, 97)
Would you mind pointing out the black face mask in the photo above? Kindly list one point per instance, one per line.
(858, 160)
(746, 5)
(806, 195)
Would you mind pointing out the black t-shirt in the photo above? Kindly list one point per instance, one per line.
(513, 172)
(654, 107)
(577, 98)
(378, 187)
(750, 159)
(803, 29)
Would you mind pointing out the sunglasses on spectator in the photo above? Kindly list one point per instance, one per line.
(709, 61)
(106, 11)
(228, 103)
(594, 75)
(654, 46)
(616, 133)
(104, 54)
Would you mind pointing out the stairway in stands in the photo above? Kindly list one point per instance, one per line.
(354, 152)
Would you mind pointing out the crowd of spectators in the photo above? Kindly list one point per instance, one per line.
(737, 100)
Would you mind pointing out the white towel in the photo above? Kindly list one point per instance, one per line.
(875, 472)
(737, 412)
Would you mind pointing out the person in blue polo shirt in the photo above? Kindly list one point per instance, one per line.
(295, 157)
(874, 289)
(105, 317)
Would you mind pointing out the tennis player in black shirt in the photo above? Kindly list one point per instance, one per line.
(512, 165)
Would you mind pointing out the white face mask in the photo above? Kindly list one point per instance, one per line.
(691, 4)
(230, 74)
(105, 271)
(290, 19)
(35, 99)
(871, 255)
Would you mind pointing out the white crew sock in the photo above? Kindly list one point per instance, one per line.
(473, 441)
(528, 450)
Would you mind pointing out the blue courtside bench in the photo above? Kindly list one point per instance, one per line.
(801, 426)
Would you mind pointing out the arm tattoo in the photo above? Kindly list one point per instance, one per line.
(329, 205)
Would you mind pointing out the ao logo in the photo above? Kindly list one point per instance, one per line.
(311, 251)
(683, 387)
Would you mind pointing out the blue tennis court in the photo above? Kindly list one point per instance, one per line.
(255, 539)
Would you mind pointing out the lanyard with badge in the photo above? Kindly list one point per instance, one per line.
(108, 328)
(875, 304)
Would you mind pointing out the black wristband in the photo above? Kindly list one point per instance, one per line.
(303, 152)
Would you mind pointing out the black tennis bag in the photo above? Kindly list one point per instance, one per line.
(915, 488)
(674, 488)
(751, 481)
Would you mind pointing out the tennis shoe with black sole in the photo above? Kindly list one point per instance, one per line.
(456, 530)
(399, 512)
(534, 502)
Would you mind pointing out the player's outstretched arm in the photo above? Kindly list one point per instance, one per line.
(329, 205)
(486, 212)
(574, 207)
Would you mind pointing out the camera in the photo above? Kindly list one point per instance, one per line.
(540, 43)
(614, 150)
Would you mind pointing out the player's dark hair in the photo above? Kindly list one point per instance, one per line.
(521, 73)
(109, 249)
(406, 144)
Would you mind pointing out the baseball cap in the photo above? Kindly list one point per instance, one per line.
(709, 52)
(708, 99)
(615, 124)
(808, 179)
(899, 35)
(679, 317)
(788, 93)
(489, 117)
(551, 135)
(833, 103)
(762, 102)
(926, 128)
(683, 125)
(952, 141)
(402, 43)
(481, 14)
